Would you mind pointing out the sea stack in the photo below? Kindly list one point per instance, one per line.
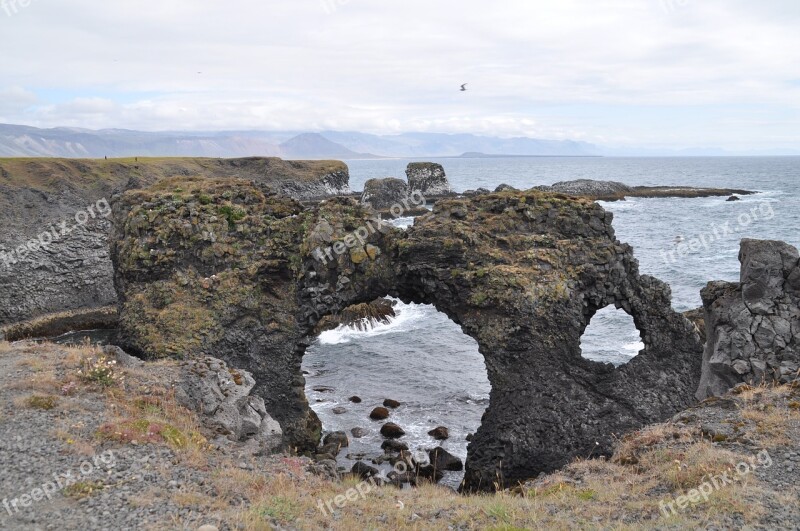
(427, 178)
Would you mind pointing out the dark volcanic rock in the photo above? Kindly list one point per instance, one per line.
(440, 434)
(430, 473)
(358, 433)
(390, 430)
(338, 438)
(394, 446)
(753, 326)
(69, 200)
(379, 413)
(355, 399)
(339, 410)
(427, 178)
(589, 187)
(522, 273)
(734, 198)
(364, 316)
(615, 191)
(383, 194)
(505, 188)
(363, 470)
(441, 459)
(394, 404)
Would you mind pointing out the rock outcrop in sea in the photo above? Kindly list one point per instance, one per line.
(616, 191)
(754, 324)
(428, 178)
(231, 268)
(384, 193)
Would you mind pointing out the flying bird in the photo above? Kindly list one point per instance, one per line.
(464, 87)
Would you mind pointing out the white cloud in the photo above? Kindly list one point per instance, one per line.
(532, 66)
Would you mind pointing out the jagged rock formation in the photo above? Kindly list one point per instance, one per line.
(54, 213)
(383, 194)
(222, 397)
(228, 268)
(753, 326)
(427, 178)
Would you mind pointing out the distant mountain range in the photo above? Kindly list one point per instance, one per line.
(25, 141)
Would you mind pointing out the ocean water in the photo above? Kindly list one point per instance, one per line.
(423, 360)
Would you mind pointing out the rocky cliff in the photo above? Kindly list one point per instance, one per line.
(229, 268)
(754, 325)
(54, 213)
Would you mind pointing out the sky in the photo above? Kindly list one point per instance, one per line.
(619, 73)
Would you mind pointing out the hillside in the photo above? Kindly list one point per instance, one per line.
(139, 459)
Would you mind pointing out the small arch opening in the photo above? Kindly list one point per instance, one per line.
(418, 358)
(611, 337)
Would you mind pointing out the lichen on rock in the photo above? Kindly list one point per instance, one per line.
(521, 272)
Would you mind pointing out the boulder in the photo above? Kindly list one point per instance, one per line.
(505, 188)
(379, 413)
(427, 178)
(441, 459)
(355, 399)
(358, 433)
(222, 396)
(390, 430)
(440, 434)
(734, 198)
(393, 404)
(392, 445)
(338, 438)
(363, 470)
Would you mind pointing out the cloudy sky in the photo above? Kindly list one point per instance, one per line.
(655, 73)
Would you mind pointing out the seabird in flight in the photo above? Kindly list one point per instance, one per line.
(464, 87)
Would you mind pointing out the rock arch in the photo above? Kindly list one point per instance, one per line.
(226, 267)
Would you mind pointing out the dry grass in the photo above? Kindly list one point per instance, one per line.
(656, 464)
(43, 402)
(5, 348)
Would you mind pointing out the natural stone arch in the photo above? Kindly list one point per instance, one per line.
(605, 320)
(521, 272)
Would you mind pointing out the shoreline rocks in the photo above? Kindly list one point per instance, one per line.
(753, 326)
(616, 191)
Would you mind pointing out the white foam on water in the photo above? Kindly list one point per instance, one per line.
(402, 223)
(408, 317)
